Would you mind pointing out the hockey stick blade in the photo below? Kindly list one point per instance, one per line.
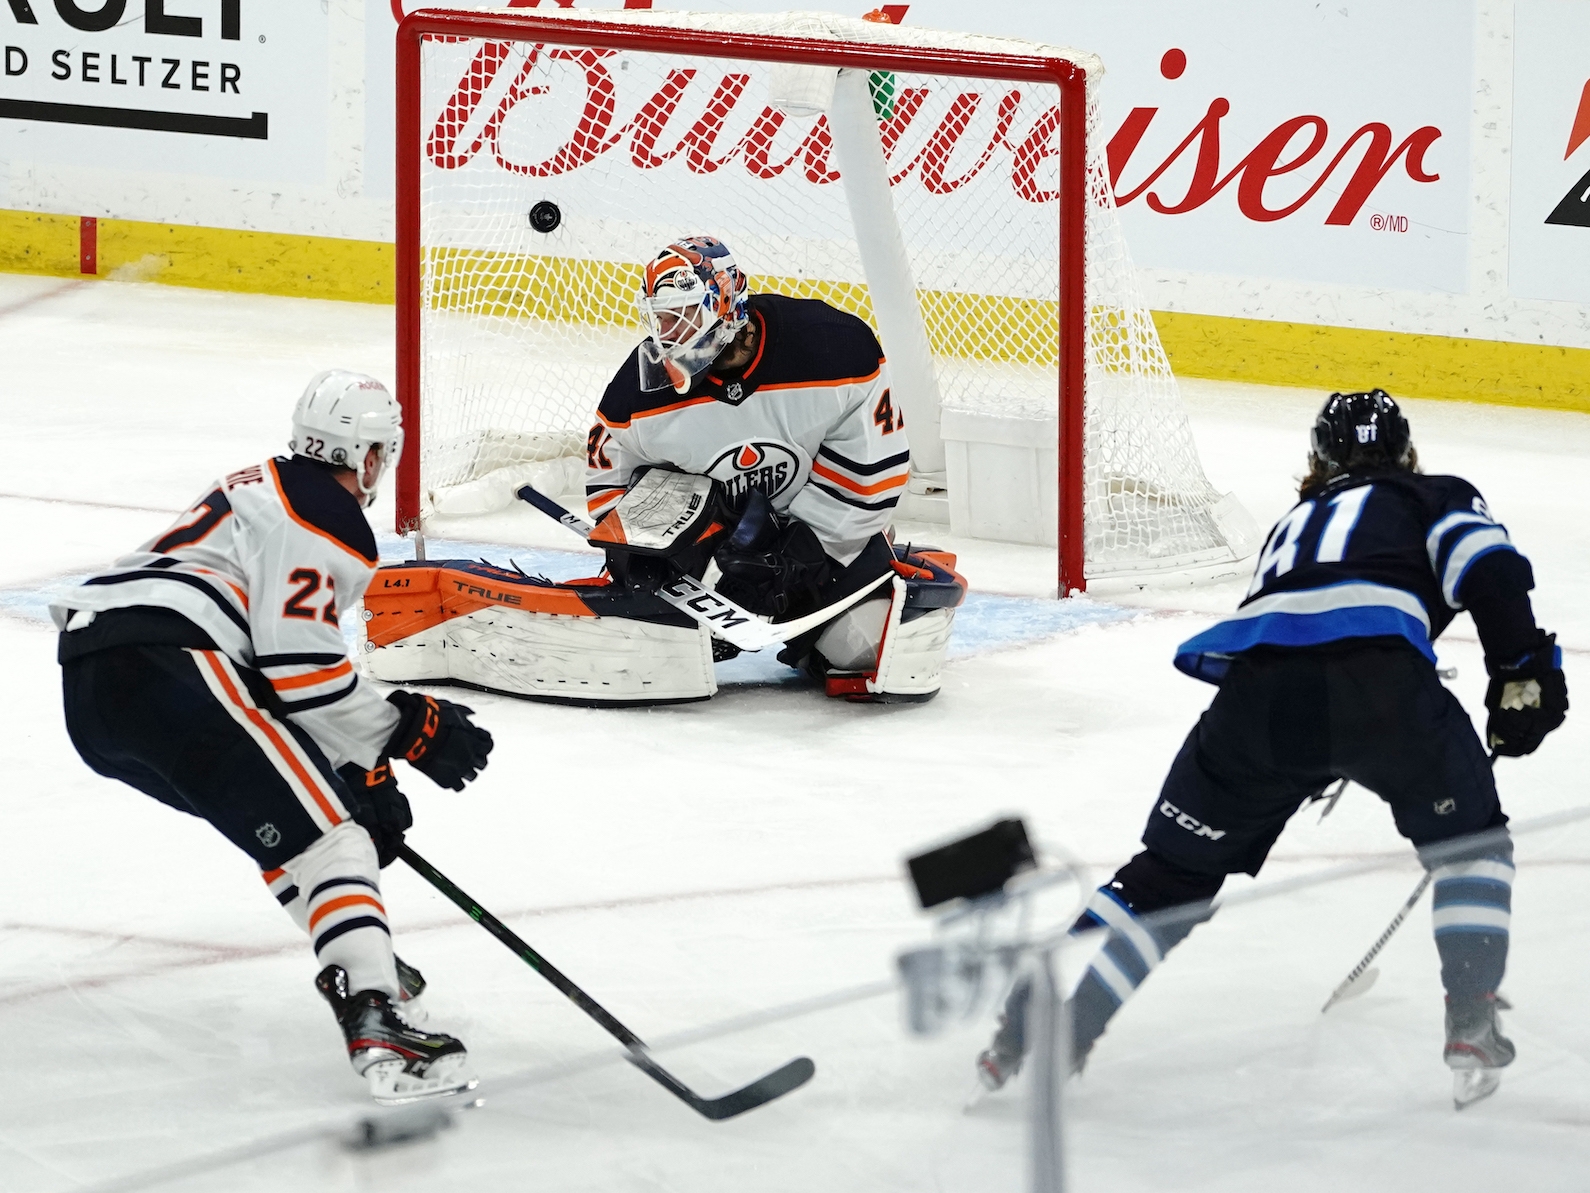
(759, 1093)
(1352, 987)
(695, 600)
(776, 1084)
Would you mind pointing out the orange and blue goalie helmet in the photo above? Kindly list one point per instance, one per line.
(694, 300)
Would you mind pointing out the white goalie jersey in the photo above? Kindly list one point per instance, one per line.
(264, 565)
(809, 421)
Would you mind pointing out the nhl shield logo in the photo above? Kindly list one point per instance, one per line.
(734, 391)
(268, 835)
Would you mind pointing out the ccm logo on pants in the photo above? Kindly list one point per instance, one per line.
(1168, 809)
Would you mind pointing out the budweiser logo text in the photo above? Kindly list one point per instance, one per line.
(669, 126)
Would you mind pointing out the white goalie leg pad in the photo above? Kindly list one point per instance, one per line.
(555, 656)
(850, 641)
(339, 881)
(903, 658)
(911, 661)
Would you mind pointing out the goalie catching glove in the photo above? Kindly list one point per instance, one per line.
(437, 738)
(379, 807)
(1527, 699)
(773, 566)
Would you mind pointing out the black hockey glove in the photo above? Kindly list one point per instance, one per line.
(379, 806)
(1527, 699)
(438, 739)
(772, 567)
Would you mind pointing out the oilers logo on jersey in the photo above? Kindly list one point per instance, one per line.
(768, 465)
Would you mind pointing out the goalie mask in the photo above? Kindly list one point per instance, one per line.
(340, 417)
(694, 301)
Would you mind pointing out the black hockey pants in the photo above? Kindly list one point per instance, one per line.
(182, 726)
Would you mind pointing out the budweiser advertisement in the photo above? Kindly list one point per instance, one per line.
(1549, 240)
(1279, 140)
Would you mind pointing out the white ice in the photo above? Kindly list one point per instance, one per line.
(693, 864)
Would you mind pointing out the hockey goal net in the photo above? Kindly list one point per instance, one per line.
(949, 188)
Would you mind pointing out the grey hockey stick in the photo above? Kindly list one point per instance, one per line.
(1362, 976)
(723, 617)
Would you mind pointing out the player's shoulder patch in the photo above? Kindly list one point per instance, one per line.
(317, 502)
(809, 341)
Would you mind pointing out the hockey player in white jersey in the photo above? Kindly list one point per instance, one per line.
(207, 670)
(785, 403)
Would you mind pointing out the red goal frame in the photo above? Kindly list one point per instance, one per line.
(1070, 79)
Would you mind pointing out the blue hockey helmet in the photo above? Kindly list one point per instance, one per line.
(1362, 430)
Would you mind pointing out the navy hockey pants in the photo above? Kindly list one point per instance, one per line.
(1286, 724)
(193, 730)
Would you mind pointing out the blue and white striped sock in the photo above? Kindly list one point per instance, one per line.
(1472, 914)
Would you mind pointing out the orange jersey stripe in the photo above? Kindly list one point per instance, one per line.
(893, 482)
(323, 675)
(672, 406)
(311, 782)
(338, 904)
(271, 875)
(828, 383)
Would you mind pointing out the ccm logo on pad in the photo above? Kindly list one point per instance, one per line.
(1171, 811)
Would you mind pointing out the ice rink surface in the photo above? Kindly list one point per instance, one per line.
(695, 864)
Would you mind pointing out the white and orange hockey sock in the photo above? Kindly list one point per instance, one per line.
(338, 902)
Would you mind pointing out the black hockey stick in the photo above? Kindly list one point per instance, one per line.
(776, 1084)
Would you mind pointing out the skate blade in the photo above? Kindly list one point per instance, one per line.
(391, 1085)
(1470, 1085)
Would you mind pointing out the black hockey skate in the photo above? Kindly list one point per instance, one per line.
(411, 982)
(1476, 1051)
(1001, 1060)
(400, 1062)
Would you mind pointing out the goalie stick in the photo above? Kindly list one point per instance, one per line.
(723, 617)
(760, 1092)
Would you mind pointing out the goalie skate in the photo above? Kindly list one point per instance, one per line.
(399, 1062)
(1476, 1051)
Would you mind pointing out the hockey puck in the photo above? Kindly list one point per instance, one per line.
(545, 216)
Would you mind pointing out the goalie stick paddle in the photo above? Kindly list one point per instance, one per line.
(760, 1092)
(723, 617)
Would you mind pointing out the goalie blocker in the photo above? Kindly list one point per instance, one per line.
(611, 640)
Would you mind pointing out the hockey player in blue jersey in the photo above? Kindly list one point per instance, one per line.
(1325, 672)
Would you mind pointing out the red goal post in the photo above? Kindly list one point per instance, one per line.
(434, 307)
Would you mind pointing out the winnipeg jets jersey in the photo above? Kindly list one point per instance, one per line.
(265, 564)
(1388, 554)
(809, 421)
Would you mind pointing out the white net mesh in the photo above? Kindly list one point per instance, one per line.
(524, 323)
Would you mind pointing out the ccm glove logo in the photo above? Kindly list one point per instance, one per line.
(438, 739)
(427, 731)
(1171, 812)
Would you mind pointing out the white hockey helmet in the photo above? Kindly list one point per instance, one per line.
(341, 416)
(694, 302)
